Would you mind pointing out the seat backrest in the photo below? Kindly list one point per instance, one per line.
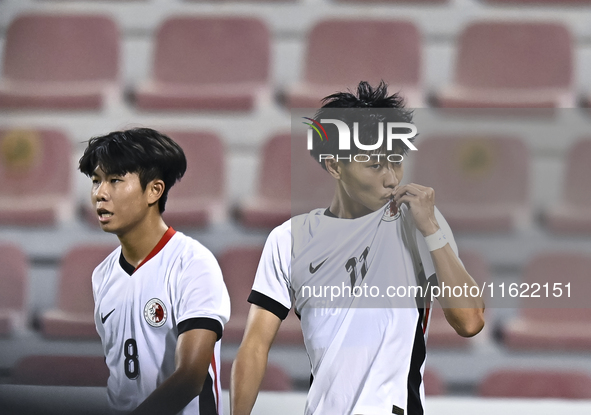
(212, 50)
(515, 55)
(274, 179)
(13, 277)
(34, 162)
(344, 52)
(75, 286)
(61, 371)
(61, 47)
(558, 268)
(473, 169)
(577, 182)
(205, 165)
(239, 266)
(527, 383)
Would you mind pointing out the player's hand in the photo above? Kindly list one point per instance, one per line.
(421, 203)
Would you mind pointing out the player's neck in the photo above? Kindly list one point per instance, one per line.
(138, 242)
(342, 206)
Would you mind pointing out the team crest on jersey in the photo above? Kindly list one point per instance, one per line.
(155, 312)
(391, 213)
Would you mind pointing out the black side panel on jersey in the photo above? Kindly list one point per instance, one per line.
(207, 404)
(414, 406)
(268, 304)
(201, 323)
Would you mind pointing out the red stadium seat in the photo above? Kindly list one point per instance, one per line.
(393, 1)
(208, 63)
(573, 214)
(239, 266)
(54, 61)
(433, 383)
(541, 2)
(532, 383)
(35, 177)
(540, 325)
(61, 371)
(275, 380)
(198, 199)
(341, 53)
(74, 315)
(13, 283)
(481, 181)
(441, 334)
(284, 188)
(512, 65)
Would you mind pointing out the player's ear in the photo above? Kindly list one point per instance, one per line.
(333, 167)
(155, 190)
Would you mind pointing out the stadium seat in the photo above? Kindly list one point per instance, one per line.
(550, 323)
(239, 266)
(276, 379)
(341, 53)
(61, 371)
(13, 283)
(208, 63)
(281, 194)
(541, 2)
(35, 177)
(433, 383)
(536, 383)
(74, 315)
(198, 199)
(53, 61)
(573, 213)
(481, 181)
(512, 65)
(441, 334)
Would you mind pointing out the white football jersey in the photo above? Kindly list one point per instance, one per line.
(367, 351)
(140, 312)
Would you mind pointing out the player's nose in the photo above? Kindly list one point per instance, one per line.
(100, 192)
(390, 177)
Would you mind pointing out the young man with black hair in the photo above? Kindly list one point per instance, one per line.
(367, 353)
(160, 300)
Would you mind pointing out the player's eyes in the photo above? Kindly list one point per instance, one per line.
(375, 166)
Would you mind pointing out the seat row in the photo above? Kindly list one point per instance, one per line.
(481, 181)
(72, 62)
(538, 325)
(67, 370)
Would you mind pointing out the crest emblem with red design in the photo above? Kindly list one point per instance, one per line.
(155, 312)
(391, 212)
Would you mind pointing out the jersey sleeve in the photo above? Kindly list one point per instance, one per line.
(202, 300)
(424, 250)
(271, 288)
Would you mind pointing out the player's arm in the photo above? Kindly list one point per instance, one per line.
(193, 353)
(464, 314)
(251, 360)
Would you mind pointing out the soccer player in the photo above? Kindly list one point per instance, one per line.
(160, 300)
(367, 358)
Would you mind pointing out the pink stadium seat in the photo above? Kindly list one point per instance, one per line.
(480, 181)
(441, 334)
(35, 176)
(13, 283)
(54, 61)
(532, 383)
(393, 1)
(198, 199)
(541, 2)
(512, 65)
(573, 214)
(341, 53)
(540, 323)
(276, 379)
(433, 383)
(208, 63)
(61, 371)
(74, 315)
(239, 265)
(281, 194)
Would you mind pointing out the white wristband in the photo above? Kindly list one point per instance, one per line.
(436, 240)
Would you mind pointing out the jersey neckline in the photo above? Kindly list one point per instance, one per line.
(130, 269)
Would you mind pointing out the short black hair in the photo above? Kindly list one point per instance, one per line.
(147, 152)
(367, 107)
